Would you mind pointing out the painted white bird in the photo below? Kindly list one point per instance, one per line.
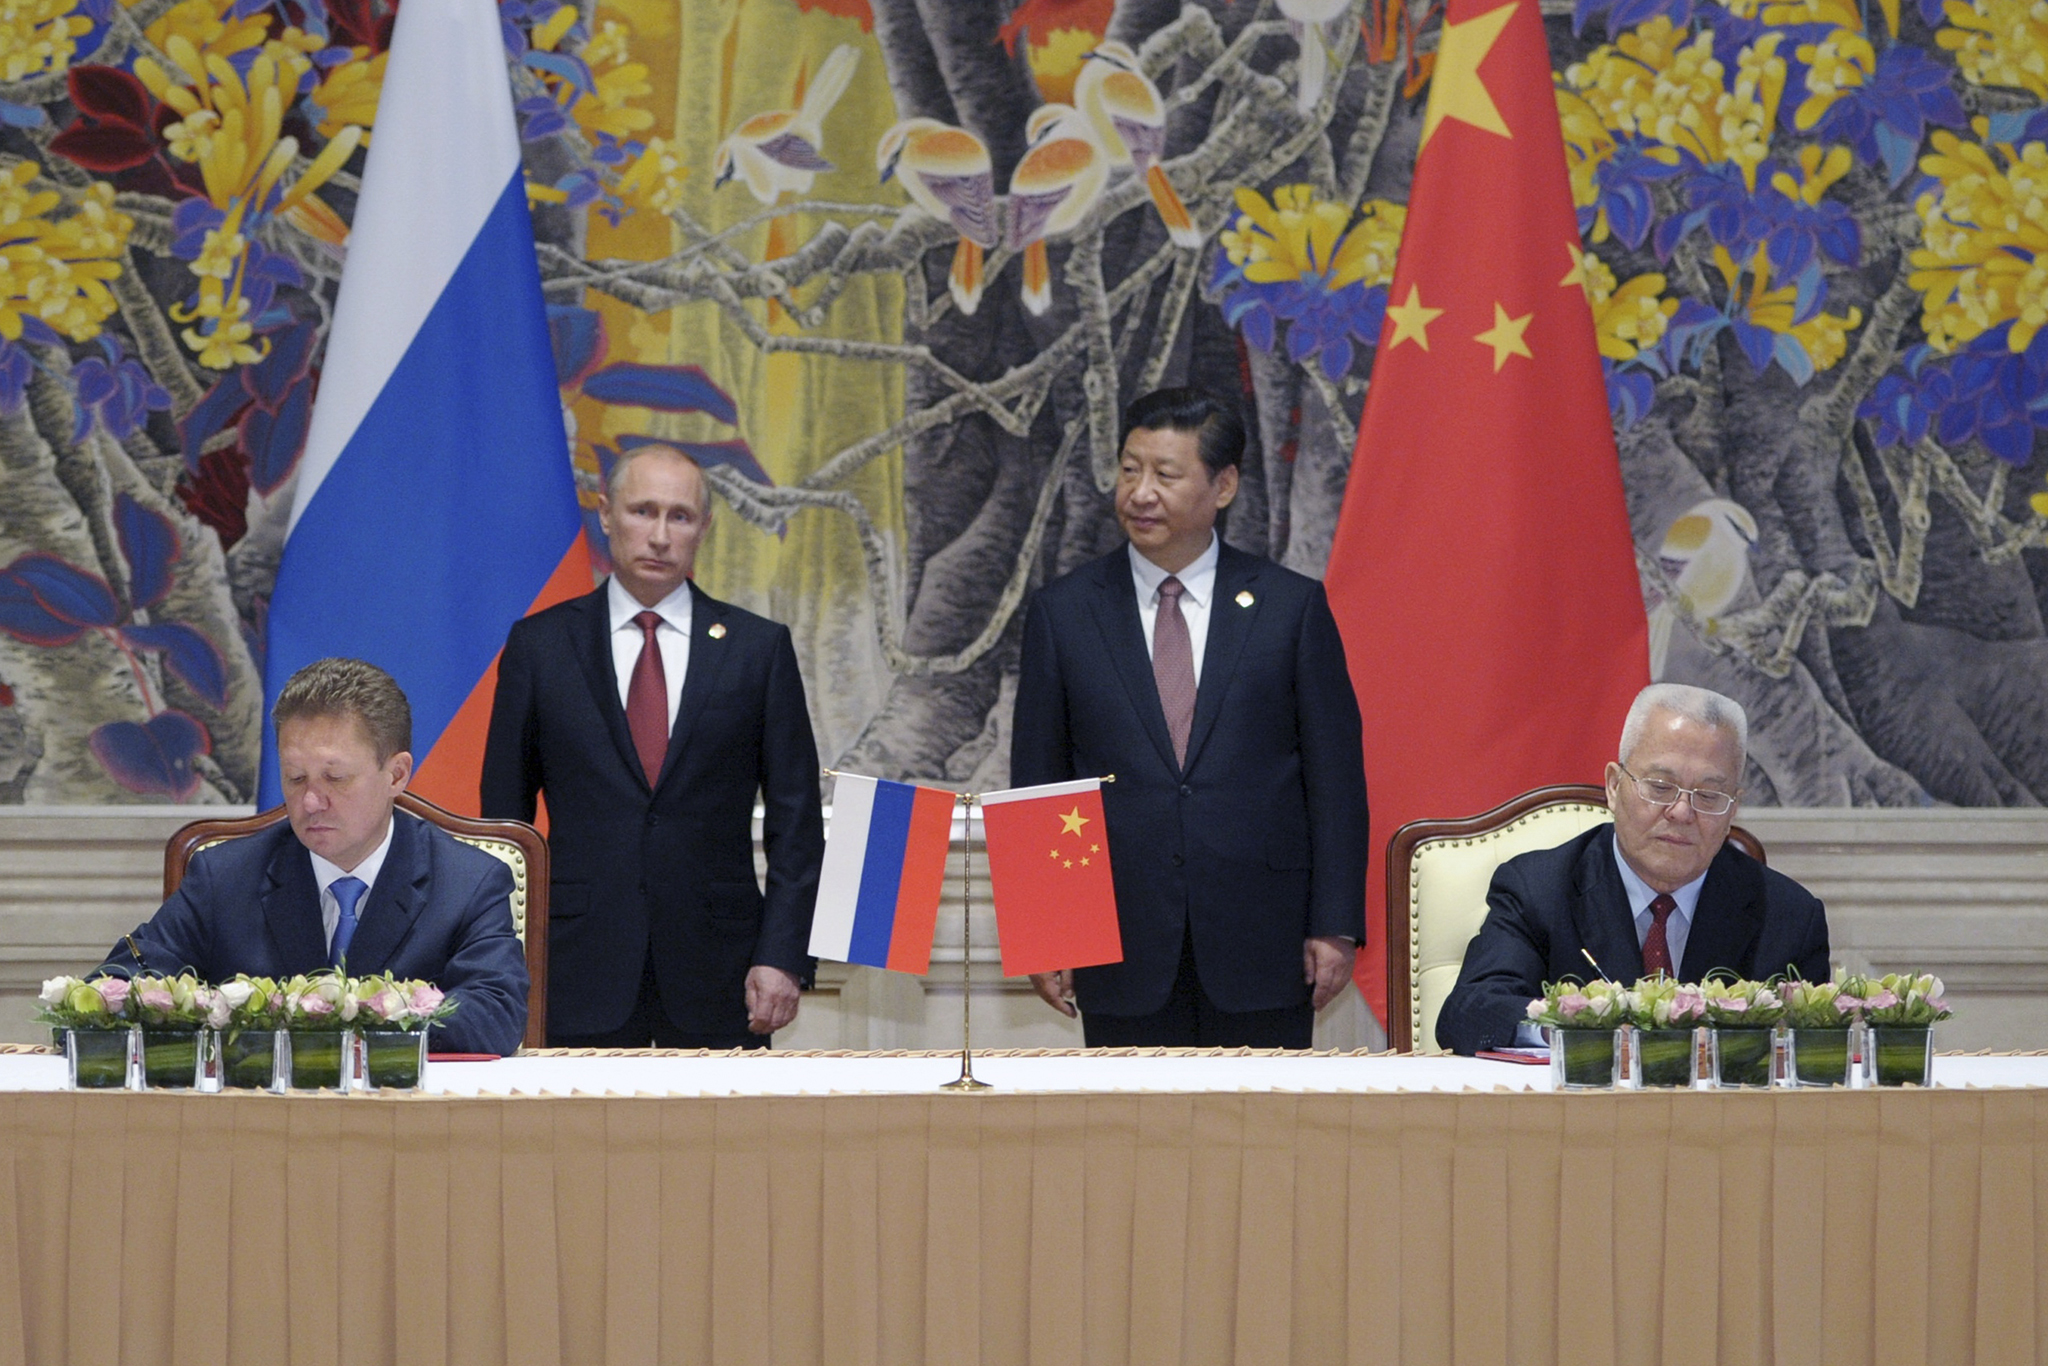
(1314, 26)
(1129, 119)
(1706, 556)
(946, 172)
(783, 150)
(1054, 186)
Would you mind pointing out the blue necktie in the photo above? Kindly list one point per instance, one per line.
(348, 893)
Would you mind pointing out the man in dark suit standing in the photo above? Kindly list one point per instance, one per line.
(1659, 890)
(652, 715)
(1212, 684)
(349, 879)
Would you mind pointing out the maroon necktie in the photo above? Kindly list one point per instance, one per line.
(647, 701)
(1173, 667)
(1656, 951)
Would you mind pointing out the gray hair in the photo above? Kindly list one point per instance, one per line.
(628, 455)
(1695, 704)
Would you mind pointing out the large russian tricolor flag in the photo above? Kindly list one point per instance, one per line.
(435, 504)
(885, 867)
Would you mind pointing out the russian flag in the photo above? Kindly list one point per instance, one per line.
(885, 866)
(435, 504)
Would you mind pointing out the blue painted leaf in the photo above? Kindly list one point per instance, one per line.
(274, 441)
(1792, 358)
(150, 545)
(210, 415)
(291, 350)
(155, 757)
(1258, 328)
(1900, 152)
(578, 337)
(564, 67)
(666, 388)
(188, 654)
(67, 593)
(22, 617)
(22, 115)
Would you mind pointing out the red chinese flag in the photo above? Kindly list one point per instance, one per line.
(1048, 870)
(1483, 572)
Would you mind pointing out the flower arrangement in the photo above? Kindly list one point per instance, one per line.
(73, 1003)
(181, 1002)
(388, 1003)
(252, 1003)
(1742, 1004)
(317, 1002)
(1820, 1005)
(1661, 1002)
(1906, 1000)
(1573, 1005)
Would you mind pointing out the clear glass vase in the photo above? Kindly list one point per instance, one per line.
(1741, 1057)
(250, 1059)
(174, 1058)
(1666, 1057)
(1902, 1055)
(1581, 1059)
(393, 1059)
(98, 1059)
(1818, 1057)
(319, 1059)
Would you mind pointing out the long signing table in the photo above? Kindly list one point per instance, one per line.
(1148, 1207)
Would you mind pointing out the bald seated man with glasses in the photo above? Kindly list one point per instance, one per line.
(1658, 889)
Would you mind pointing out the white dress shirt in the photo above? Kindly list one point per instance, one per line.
(326, 874)
(1677, 925)
(1198, 594)
(672, 636)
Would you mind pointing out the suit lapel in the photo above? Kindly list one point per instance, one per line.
(291, 907)
(1229, 624)
(1600, 912)
(594, 654)
(389, 909)
(1727, 920)
(1123, 635)
(700, 677)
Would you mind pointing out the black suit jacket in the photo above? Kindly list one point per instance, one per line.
(670, 866)
(1260, 842)
(1543, 907)
(439, 911)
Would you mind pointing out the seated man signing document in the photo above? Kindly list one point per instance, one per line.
(1659, 889)
(349, 879)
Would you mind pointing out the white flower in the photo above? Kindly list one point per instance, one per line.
(236, 994)
(55, 990)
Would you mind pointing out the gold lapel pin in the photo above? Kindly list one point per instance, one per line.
(717, 631)
(1245, 599)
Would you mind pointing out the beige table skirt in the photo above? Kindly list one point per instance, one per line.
(1898, 1227)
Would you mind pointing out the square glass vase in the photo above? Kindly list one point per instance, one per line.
(318, 1059)
(1740, 1056)
(1666, 1058)
(98, 1059)
(252, 1059)
(174, 1058)
(393, 1059)
(1900, 1055)
(1817, 1057)
(1582, 1059)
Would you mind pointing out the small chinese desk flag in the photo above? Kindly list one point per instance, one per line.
(885, 867)
(1048, 868)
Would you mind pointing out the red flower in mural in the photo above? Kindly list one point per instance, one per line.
(1039, 18)
(856, 10)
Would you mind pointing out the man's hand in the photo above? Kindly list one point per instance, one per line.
(1326, 965)
(771, 999)
(1056, 989)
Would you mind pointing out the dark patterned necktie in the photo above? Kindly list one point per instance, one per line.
(1657, 949)
(647, 700)
(1173, 667)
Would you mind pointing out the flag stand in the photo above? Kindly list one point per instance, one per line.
(967, 1081)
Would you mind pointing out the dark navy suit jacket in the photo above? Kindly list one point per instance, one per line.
(671, 864)
(1259, 842)
(1543, 907)
(440, 911)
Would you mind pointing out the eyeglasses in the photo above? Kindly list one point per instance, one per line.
(1657, 792)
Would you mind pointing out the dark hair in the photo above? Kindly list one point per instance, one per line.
(1218, 428)
(349, 687)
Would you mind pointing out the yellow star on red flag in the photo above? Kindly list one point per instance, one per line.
(1505, 337)
(1455, 90)
(1412, 320)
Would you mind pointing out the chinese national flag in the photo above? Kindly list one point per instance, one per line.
(1048, 868)
(1483, 572)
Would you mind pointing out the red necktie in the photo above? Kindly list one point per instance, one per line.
(1656, 950)
(647, 700)
(1173, 667)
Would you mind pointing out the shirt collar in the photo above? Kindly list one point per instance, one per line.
(1197, 581)
(325, 873)
(673, 609)
(1641, 893)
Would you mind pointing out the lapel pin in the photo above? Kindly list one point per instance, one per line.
(717, 631)
(1245, 599)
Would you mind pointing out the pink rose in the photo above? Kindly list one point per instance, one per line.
(114, 991)
(1882, 1001)
(426, 997)
(315, 1005)
(1572, 1005)
(386, 1005)
(157, 999)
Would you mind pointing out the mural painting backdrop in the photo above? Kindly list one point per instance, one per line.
(890, 268)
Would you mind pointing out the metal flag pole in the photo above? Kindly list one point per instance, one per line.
(967, 1081)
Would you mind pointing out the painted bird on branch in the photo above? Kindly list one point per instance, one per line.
(1129, 119)
(1054, 186)
(1706, 555)
(946, 172)
(1314, 26)
(783, 150)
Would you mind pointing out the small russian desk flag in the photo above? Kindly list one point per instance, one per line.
(885, 866)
